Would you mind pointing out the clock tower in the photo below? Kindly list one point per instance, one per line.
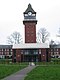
(30, 25)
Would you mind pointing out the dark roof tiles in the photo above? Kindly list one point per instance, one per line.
(29, 9)
(5, 46)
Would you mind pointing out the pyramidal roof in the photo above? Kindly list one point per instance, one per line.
(29, 9)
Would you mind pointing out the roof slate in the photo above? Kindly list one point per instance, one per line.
(5, 46)
(29, 9)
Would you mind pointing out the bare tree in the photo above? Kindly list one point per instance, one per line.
(59, 31)
(58, 35)
(42, 35)
(15, 38)
(52, 42)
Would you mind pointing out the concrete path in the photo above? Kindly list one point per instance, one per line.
(20, 75)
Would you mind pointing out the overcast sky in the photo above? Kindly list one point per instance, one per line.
(11, 16)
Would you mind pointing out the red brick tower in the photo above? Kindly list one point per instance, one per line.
(30, 25)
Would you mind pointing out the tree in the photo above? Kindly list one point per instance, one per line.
(58, 33)
(52, 42)
(42, 35)
(15, 38)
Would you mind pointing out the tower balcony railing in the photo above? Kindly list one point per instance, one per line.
(30, 17)
(30, 20)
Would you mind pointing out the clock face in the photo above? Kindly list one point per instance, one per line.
(29, 13)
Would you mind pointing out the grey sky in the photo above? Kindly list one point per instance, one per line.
(11, 16)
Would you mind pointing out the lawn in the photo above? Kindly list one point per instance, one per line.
(44, 73)
(7, 69)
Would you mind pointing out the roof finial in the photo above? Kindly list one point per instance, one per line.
(29, 5)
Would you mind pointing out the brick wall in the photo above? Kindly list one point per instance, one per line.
(43, 54)
(30, 32)
(18, 55)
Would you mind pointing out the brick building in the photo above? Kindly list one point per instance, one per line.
(5, 51)
(30, 50)
(55, 50)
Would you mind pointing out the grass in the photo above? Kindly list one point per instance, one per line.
(45, 70)
(44, 73)
(7, 69)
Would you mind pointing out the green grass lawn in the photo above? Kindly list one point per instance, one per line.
(44, 73)
(7, 69)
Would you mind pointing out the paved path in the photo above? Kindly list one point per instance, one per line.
(20, 75)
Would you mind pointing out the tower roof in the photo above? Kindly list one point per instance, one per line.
(29, 9)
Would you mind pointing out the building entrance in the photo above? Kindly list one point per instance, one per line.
(30, 55)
